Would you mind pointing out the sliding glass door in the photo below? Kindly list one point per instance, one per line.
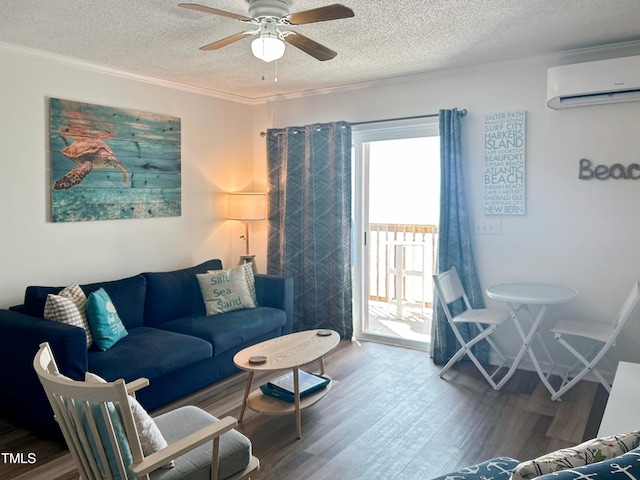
(396, 208)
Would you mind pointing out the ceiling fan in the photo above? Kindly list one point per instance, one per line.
(271, 18)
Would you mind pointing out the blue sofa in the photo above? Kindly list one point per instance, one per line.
(170, 339)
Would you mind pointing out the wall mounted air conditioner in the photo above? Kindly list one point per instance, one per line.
(594, 83)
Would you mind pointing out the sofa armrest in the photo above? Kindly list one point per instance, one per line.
(276, 292)
(20, 337)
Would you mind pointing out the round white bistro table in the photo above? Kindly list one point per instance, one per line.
(519, 296)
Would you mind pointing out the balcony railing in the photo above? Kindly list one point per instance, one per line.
(401, 262)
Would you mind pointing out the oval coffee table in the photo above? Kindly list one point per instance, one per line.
(289, 352)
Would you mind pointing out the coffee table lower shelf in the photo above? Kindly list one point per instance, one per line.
(259, 402)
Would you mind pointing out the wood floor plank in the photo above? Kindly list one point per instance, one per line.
(388, 416)
(573, 412)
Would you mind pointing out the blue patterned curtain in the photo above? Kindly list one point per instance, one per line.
(454, 239)
(309, 174)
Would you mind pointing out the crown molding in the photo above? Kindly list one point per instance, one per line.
(84, 65)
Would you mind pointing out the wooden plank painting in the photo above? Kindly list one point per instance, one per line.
(111, 163)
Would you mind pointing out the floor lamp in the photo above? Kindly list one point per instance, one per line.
(247, 206)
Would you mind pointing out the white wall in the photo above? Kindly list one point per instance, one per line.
(583, 234)
(578, 233)
(216, 157)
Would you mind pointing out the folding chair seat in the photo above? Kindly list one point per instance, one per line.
(449, 290)
(601, 335)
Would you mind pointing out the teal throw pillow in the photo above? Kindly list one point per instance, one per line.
(104, 321)
(104, 434)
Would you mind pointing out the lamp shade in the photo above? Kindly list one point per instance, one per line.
(246, 206)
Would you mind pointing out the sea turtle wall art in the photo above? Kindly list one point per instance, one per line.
(110, 163)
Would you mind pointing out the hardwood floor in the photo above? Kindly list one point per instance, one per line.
(387, 416)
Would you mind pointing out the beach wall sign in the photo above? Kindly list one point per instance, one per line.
(504, 163)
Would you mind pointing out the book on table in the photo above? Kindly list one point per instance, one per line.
(282, 387)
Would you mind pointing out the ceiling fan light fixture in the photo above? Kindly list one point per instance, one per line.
(267, 47)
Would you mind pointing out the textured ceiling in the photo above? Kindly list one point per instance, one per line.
(156, 38)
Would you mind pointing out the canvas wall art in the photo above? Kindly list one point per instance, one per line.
(112, 163)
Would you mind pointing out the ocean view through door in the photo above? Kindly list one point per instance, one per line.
(396, 192)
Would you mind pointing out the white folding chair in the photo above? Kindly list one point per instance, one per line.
(603, 335)
(449, 289)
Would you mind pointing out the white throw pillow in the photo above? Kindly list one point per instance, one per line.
(226, 290)
(69, 307)
(251, 280)
(151, 438)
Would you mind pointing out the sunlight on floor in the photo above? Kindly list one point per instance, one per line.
(412, 324)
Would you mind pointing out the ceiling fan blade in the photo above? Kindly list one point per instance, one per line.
(227, 41)
(309, 46)
(214, 11)
(322, 14)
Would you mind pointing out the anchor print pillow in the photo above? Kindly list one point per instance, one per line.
(589, 452)
(227, 290)
(104, 321)
(496, 469)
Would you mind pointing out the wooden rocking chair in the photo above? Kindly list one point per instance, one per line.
(100, 430)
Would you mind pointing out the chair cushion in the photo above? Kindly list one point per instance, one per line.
(496, 468)
(147, 352)
(231, 329)
(235, 448)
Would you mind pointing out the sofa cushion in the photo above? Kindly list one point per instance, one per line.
(231, 329)
(175, 294)
(127, 295)
(147, 352)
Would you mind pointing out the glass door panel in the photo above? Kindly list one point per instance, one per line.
(398, 207)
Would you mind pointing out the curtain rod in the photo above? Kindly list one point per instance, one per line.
(462, 112)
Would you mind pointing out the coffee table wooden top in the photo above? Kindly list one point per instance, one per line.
(288, 351)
